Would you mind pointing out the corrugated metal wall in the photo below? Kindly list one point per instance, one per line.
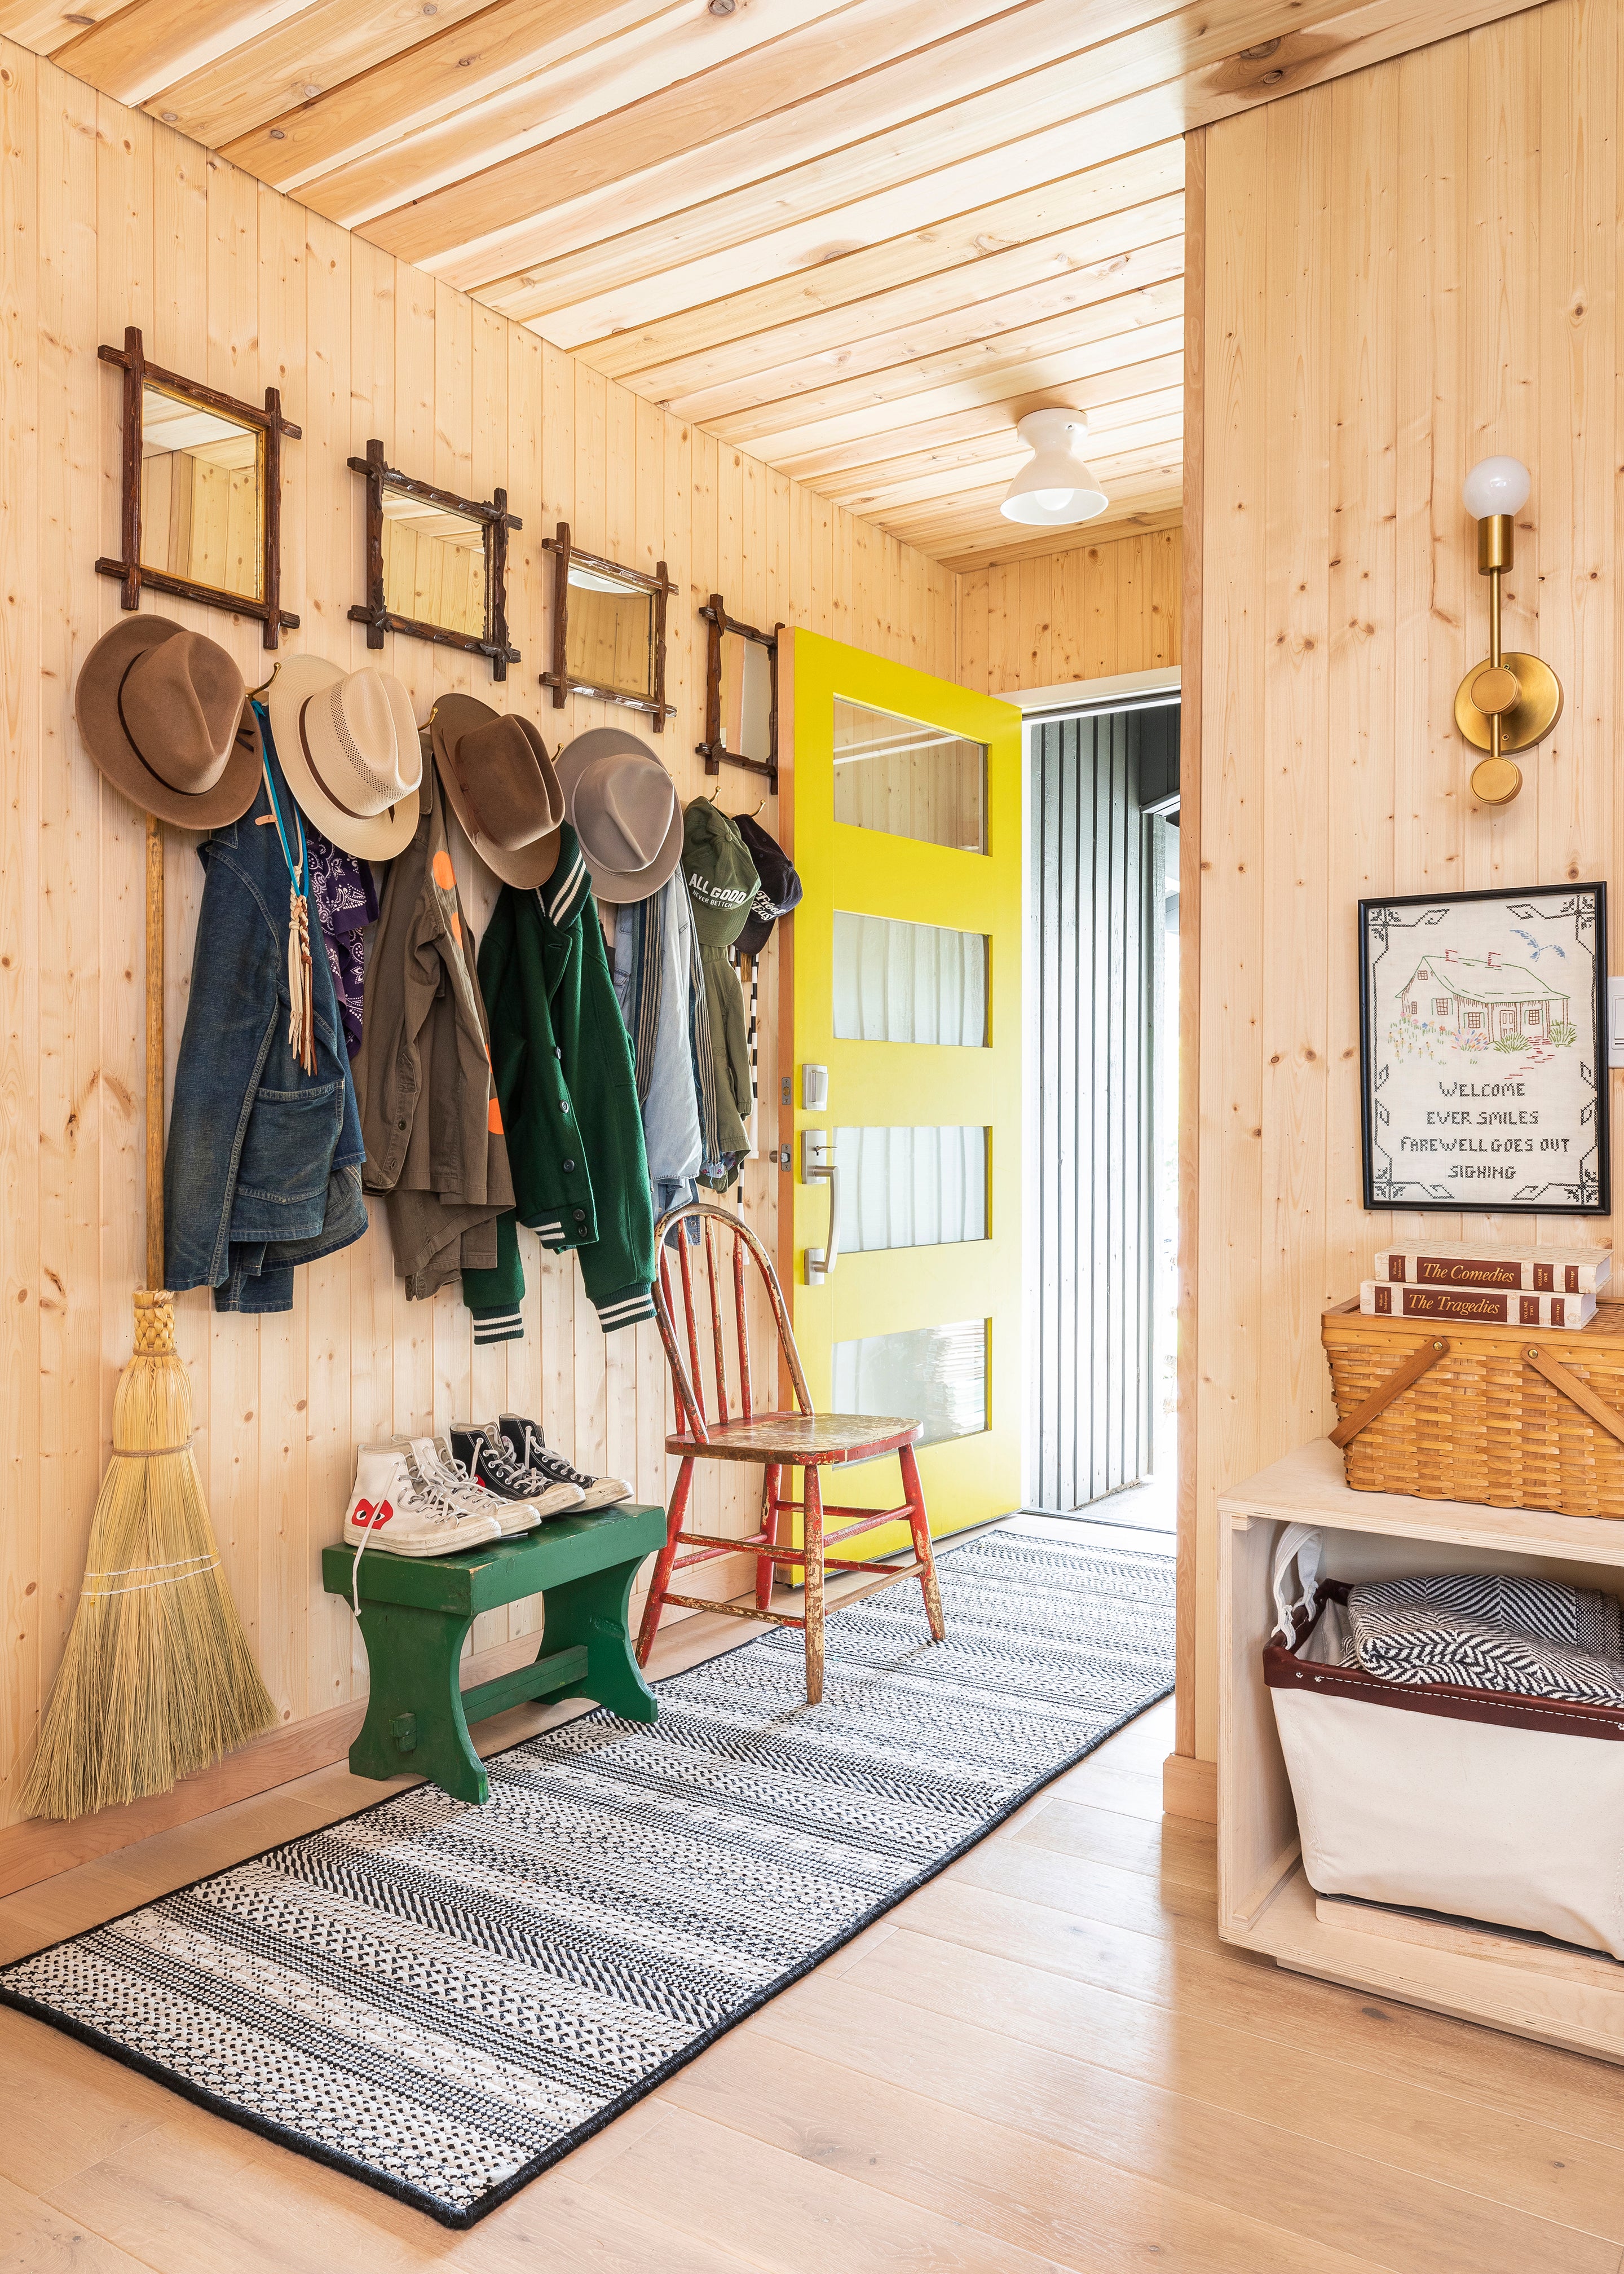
(1093, 956)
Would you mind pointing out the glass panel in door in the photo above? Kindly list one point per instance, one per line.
(908, 982)
(909, 777)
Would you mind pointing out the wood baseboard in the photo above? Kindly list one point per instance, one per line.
(1189, 1788)
(41, 1849)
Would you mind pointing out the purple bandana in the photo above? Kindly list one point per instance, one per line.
(346, 901)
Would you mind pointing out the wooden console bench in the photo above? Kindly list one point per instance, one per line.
(417, 1611)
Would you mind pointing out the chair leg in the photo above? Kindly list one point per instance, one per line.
(919, 1523)
(765, 1569)
(812, 1566)
(662, 1569)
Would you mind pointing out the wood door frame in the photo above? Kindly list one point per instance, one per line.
(783, 936)
(1189, 1787)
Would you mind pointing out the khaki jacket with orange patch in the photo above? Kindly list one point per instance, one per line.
(429, 1115)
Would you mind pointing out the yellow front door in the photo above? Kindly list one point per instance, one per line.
(907, 992)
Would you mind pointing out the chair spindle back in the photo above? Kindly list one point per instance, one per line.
(687, 1376)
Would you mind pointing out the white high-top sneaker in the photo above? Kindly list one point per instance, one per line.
(401, 1504)
(513, 1515)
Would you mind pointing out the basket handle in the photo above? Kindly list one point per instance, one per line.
(1415, 1365)
(1569, 1384)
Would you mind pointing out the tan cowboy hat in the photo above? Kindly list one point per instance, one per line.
(163, 711)
(347, 743)
(502, 786)
(623, 806)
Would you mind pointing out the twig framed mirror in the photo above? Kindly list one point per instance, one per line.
(200, 492)
(608, 631)
(742, 696)
(436, 563)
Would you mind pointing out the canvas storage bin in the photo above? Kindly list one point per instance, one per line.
(1517, 1416)
(1482, 1805)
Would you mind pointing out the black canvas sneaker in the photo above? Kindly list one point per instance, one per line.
(484, 1452)
(527, 1446)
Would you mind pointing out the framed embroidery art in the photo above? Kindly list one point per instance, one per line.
(1483, 1050)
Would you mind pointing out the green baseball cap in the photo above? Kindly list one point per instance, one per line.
(722, 881)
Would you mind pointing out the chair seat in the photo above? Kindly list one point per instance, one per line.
(801, 1441)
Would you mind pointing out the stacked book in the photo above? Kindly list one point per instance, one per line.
(1499, 1287)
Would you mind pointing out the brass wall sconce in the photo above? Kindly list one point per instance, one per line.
(1510, 702)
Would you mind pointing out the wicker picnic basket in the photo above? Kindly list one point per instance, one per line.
(1529, 1417)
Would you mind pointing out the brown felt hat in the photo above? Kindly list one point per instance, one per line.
(163, 712)
(502, 784)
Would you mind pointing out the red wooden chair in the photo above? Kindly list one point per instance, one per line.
(804, 1440)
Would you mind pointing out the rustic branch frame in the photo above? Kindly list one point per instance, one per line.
(272, 429)
(654, 708)
(712, 749)
(375, 612)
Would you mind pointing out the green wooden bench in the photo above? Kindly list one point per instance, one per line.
(416, 1611)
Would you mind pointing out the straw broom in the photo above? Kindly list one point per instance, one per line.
(157, 1679)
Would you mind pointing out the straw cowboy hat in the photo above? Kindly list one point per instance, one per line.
(623, 806)
(163, 711)
(347, 743)
(502, 787)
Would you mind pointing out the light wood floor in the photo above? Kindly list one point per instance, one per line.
(1046, 2059)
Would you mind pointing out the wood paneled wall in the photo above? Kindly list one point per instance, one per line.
(1400, 274)
(108, 218)
(1091, 611)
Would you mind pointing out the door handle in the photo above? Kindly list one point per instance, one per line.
(818, 1166)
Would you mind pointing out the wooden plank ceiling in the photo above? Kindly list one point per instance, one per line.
(857, 240)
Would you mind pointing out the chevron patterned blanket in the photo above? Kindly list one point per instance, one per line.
(1489, 1631)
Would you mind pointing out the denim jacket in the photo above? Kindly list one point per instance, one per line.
(263, 1166)
(654, 960)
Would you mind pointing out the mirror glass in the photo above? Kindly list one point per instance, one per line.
(609, 633)
(433, 564)
(746, 697)
(202, 494)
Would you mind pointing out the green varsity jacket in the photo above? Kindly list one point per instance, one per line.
(568, 1102)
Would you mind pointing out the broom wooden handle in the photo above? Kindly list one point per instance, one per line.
(154, 1051)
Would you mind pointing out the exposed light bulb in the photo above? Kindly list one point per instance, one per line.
(1496, 485)
(1051, 500)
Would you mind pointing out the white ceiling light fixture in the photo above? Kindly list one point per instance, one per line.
(1057, 487)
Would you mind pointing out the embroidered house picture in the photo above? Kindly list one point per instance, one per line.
(1483, 1054)
(1481, 1001)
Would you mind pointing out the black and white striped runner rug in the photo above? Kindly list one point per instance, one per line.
(443, 2000)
